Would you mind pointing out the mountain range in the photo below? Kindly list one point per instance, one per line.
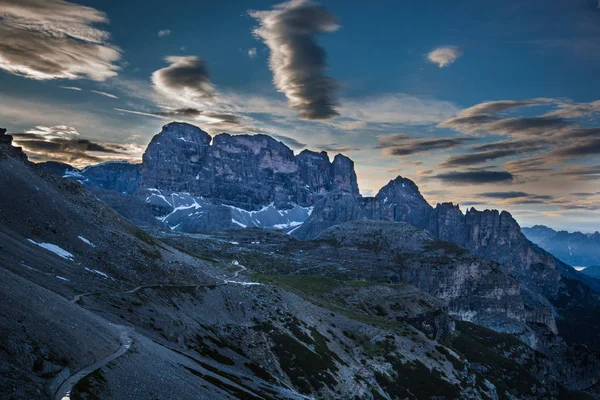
(160, 279)
(574, 248)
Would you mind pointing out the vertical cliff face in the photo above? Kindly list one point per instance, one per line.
(247, 171)
(343, 175)
(174, 158)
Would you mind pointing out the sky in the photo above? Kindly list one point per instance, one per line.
(485, 104)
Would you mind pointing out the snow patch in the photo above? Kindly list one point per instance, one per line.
(62, 278)
(84, 240)
(54, 248)
(95, 271)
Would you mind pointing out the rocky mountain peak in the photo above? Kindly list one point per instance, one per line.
(184, 132)
(344, 176)
(401, 187)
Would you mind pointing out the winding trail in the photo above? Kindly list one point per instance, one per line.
(64, 390)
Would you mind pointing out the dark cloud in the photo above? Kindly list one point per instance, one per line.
(403, 145)
(514, 195)
(62, 143)
(195, 113)
(475, 177)
(476, 158)
(55, 39)
(186, 77)
(520, 145)
(580, 149)
(493, 151)
(297, 62)
(584, 194)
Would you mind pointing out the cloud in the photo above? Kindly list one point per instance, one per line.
(298, 63)
(444, 56)
(475, 177)
(575, 110)
(403, 145)
(397, 108)
(55, 39)
(186, 79)
(514, 195)
(537, 163)
(64, 143)
(581, 148)
(291, 142)
(581, 172)
(494, 107)
(71, 88)
(252, 52)
(163, 33)
(476, 158)
(336, 148)
(517, 127)
(493, 151)
(584, 194)
(112, 96)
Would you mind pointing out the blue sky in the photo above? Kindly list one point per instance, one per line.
(395, 85)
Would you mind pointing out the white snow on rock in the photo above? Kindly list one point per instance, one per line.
(54, 248)
(95, 271)
(62, 278)
(84, 240)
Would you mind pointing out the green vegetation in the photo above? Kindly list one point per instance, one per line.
(317, 289)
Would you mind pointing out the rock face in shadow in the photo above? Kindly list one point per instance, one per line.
(551, 289)
(475, 290)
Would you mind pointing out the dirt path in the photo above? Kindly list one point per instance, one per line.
(64, 390)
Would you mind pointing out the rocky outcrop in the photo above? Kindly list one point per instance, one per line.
(475, 290)
(7, 149)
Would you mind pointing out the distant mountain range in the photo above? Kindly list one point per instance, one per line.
(574, 248)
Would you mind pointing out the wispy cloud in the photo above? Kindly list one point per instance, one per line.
(163, 33)
(252, 53)
(71, 88)
(444, 56)
(298, 63)
(55, 39)
(112, 96)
